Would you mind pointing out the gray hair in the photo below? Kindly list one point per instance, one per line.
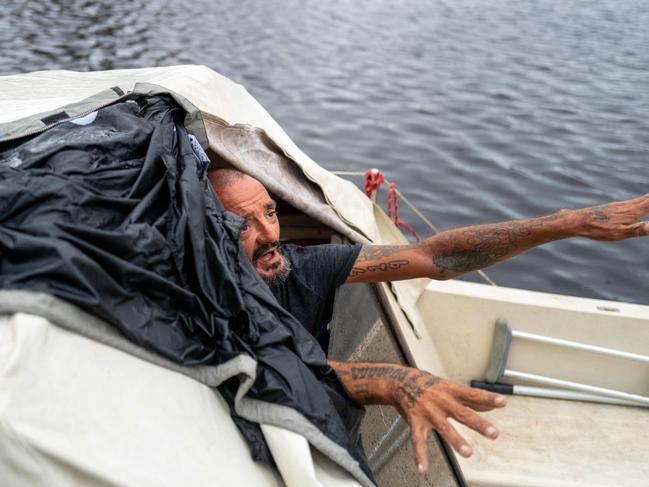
(222, 177)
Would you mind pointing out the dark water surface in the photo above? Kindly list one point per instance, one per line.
(480, 111)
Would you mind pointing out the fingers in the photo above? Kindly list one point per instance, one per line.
(640, 229)
(452, 437)
(444, 400)
(479, 399)
(474, 421)
(420, 445)
(446, 431)
(636, 207)
(643, 201)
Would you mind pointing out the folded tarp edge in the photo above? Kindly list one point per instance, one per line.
(39, 122)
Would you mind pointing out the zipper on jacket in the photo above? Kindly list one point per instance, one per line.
(59, 122)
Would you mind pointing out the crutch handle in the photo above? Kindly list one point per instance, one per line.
(498, 387)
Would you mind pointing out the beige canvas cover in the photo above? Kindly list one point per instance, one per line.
(28, 94)
(76, 412)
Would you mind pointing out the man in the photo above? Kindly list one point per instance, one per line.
(303, 278)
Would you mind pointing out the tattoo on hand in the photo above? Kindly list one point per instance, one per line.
(407, 384)
(599, 213)
(410, 390)
(432, 381)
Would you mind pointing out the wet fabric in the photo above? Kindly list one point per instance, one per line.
(117, 218)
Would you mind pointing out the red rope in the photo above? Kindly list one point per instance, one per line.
(393, 199)
(373, 181)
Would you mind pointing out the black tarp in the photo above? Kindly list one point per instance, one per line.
(116, 217)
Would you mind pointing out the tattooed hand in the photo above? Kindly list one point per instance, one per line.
(615, 221)
(423, 400)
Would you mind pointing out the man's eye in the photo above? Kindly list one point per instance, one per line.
(272, 214)
(245, 227)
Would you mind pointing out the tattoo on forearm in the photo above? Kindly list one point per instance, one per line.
(386, 371)
(467, 260)
(361, 389)
(488, 244)
(377, 252)
(382, 267)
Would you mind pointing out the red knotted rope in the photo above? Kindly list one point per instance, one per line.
(373, 181)
(393, 199)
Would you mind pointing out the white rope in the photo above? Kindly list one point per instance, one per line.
(414, 209)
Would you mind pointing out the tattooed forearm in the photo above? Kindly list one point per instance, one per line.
(486, 244)
(387, 371)
(466, 260)
(382, 267)
(361, 390)
(378, 252)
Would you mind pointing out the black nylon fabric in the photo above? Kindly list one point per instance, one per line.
(117, 218)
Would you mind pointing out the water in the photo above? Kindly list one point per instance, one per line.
(480, 111)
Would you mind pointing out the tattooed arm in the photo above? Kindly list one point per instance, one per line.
(423, 400)
(455, 252)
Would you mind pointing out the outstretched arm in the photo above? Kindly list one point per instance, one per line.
(423, 400)
(456, 252)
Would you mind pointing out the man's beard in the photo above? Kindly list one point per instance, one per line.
(280, 276)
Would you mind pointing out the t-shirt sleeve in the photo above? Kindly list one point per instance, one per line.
(325, 267)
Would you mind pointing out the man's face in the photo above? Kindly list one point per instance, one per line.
(247, 198)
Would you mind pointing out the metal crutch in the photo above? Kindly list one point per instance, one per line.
(500, 354)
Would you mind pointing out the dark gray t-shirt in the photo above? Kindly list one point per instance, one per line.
(317, 271)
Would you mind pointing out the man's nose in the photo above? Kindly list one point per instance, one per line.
(267, 232)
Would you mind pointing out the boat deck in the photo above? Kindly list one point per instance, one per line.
(557, 443)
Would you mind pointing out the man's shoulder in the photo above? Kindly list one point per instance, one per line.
(324, 266)
(318, 253)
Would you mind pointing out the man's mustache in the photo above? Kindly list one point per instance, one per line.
(259, 251)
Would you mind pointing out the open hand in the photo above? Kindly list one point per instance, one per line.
(426, 401)
(423, 400)
(618, 220)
